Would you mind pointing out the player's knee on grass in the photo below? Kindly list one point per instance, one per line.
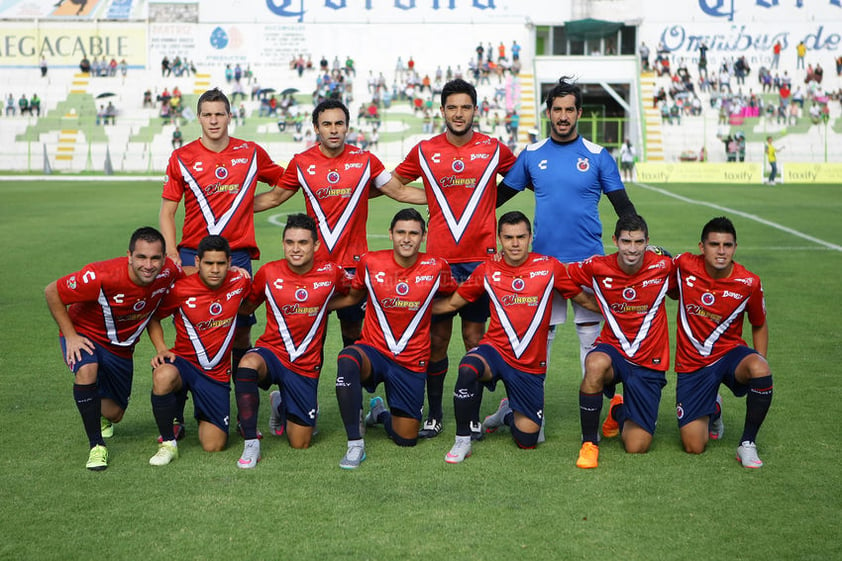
(694, 436)
(635, 438)
(404, 428)
(211, 437)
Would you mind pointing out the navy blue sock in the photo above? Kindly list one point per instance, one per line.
(758, 400)
(248, 401)
(164, 408)
(590, 408)
(89, 404)
(467, 396)
(436, 372)
(236, 355)
(349, 391)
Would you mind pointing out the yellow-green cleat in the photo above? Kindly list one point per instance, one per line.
(167, 452)
(98, 458)
(106, 427)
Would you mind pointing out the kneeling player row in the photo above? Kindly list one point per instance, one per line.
(401, 285)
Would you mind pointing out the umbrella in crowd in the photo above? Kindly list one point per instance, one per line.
(106, 94)
(289, 91)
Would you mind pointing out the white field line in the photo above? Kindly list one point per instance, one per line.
(754, 217)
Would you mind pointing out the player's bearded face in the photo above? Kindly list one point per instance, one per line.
(631, 248)
(145, 262)
(332, 128)
(718, 250)
(213, 267)
(564, 116)
(458, 112)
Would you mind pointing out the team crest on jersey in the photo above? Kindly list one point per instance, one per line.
(301, 294)
(71, 283)
(583, 164)
(708, 299)
(458, 166)
(333, 177)
(402, 288)
(221, 173)
(629, 293)
(139, 305)
(518, 284)
(215, 309)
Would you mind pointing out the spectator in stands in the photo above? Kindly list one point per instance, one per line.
(776, 55)
(35, 105)
(703, 59)
(112, 67)
(794, 113)
(10, 105)
(675, 113)
(23, 105)
(43, 66)
(800, 52)
(165, 67)
(818, 73)
(644, 56)
(124, 68)
(147, 98)
(741, 70)
(627, 156)
(229, 74)
(85, 65)
(100, 115)
(177, 138)
(110, 114)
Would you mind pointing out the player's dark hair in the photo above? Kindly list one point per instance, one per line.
(213, 242)
(458, 86)
(302, 222)
(330, 104)
(565, 86)
(214, 94)
(631, 223)
(719, 225)
(149, 235)
(512, 218)
(409, 214)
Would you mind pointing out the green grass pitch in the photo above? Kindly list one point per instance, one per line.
(502, 503)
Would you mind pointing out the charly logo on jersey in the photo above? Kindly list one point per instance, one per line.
(708, 299)
(458, 166)
(629, 293)
(583, 164)
(518, 284)
(221, 173)
(215, 309)
(301, 294)
(402, 288)
(333, 177)
(139, 305)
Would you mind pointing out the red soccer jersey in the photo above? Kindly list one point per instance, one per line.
(710, 311)
(633, 306)
(336, 192)
(218, 191)
(398, 309)
(205, 321)
(461, 187)
(296, 311)
(521, 302)
(110, 309)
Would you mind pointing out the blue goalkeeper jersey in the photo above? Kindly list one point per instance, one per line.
(569, 179)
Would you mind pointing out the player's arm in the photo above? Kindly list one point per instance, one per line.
(272, 198)
(760, 338)
(587, 300)
(504, 193)
(620, 201)
(156, 335)
(344, 300)
(448, 304)
(74, 343)
(166, 220)
(398, 188)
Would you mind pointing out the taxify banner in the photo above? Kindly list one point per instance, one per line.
(695, 172)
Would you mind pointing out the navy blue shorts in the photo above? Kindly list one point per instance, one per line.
(695, 392)
(211, 398)
(404, 388)
(641, 388)
(476, 311)
(114, 374)
(299, 394)
(524, 389)
(355, 313)
(239, 258)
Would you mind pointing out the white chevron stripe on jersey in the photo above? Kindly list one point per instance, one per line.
(111, 327)
(520, 345)
(704, 349)
(631, 348)
(201, 353)
(398, 345)
(217, 225)
(331, 235)
(294, 351)
(457, 226)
